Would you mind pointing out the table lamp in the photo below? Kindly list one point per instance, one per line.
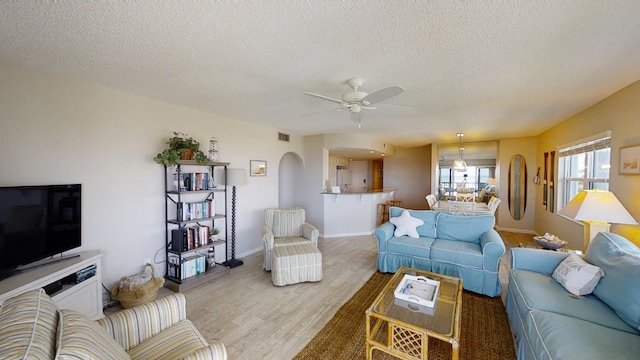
(235, 177)
(597, 208)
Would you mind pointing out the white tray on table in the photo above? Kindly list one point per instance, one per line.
(419, 290)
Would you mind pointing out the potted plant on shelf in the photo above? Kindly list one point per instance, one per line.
(214, 234)
(181, 147)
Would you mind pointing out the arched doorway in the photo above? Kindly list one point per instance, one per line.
(289, 175)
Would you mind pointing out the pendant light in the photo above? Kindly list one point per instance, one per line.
(460, 164)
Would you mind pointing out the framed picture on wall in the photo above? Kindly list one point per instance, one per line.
(629, 160)
(258, 168)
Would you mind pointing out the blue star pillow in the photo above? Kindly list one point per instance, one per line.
(406, 225)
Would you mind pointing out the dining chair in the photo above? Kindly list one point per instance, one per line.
(431, 200)
(493, 204)
(465, 197)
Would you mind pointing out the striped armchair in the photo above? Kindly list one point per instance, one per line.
(32, 327)
(285, 226)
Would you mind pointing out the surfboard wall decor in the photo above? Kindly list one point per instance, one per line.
(517, 191)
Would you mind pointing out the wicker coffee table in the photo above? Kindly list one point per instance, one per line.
(404, 333)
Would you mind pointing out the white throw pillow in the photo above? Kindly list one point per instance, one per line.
(406, 225)
(577, 276)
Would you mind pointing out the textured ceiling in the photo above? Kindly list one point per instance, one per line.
(489, 69)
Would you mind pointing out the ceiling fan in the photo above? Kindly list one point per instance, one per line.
(356, 101)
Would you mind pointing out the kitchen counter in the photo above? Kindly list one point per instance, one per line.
(385, 190)
(353, 213)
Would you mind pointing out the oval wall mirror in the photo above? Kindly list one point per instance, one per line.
(517, 187)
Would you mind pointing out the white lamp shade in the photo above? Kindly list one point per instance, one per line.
(598, 205)
(235, 177)
(492, 181)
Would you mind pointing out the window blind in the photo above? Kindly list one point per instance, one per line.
(593, 145)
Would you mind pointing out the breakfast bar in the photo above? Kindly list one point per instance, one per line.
(353, 213)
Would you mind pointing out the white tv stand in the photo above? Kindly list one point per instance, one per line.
(84, 297)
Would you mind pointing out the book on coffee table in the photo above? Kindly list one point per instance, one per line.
(418, 289)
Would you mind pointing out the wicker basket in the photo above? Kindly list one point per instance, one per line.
(187, 154)
(138, 289)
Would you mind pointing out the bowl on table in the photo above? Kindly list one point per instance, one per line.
(553, 243)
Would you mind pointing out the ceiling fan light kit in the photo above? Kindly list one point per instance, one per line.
(356, 100)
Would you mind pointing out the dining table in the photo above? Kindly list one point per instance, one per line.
(462, 207)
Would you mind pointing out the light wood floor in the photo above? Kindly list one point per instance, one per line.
(257, 320)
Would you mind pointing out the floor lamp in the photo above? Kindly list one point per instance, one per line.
(596, 209)
(235, 177)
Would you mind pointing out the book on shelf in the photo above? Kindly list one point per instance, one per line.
(186, 267)
(191, 181)
(187, 211)
(192, 266)
(188, 238)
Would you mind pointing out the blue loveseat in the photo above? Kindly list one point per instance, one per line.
(466, 247)
(548, 323)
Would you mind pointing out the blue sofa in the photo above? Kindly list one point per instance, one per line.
(548, 323)
(466, 247)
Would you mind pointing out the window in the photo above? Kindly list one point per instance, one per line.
(445, 177)
(484, 174)
(583, 166)
(477, 177)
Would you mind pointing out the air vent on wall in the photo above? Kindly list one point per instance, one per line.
(283, 137)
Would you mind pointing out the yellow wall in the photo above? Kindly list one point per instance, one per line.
(619, 113)
(507, 149)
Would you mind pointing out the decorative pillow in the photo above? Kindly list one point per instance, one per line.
(287, 223)
(463, 228)
(29, 323)
(620, 260)
(81, 338)
(577, 276)
(406, 225)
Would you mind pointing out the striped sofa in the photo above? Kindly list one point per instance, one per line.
(32, 327)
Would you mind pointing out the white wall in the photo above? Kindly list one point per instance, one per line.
(55, 130)
(291, 169)
(313, 179)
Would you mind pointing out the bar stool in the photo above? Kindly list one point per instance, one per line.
(385, 208)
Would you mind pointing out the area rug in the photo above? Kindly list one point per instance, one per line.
(485, 332)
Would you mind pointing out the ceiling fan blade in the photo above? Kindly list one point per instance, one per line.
(326, 98)
(382, 95)
(400, 108)
(325, 111)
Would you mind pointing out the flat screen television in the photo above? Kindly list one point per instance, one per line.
(37, 222)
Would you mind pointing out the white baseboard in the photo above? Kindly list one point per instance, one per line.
(247, 253)
(327, 236)
(520, 231)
